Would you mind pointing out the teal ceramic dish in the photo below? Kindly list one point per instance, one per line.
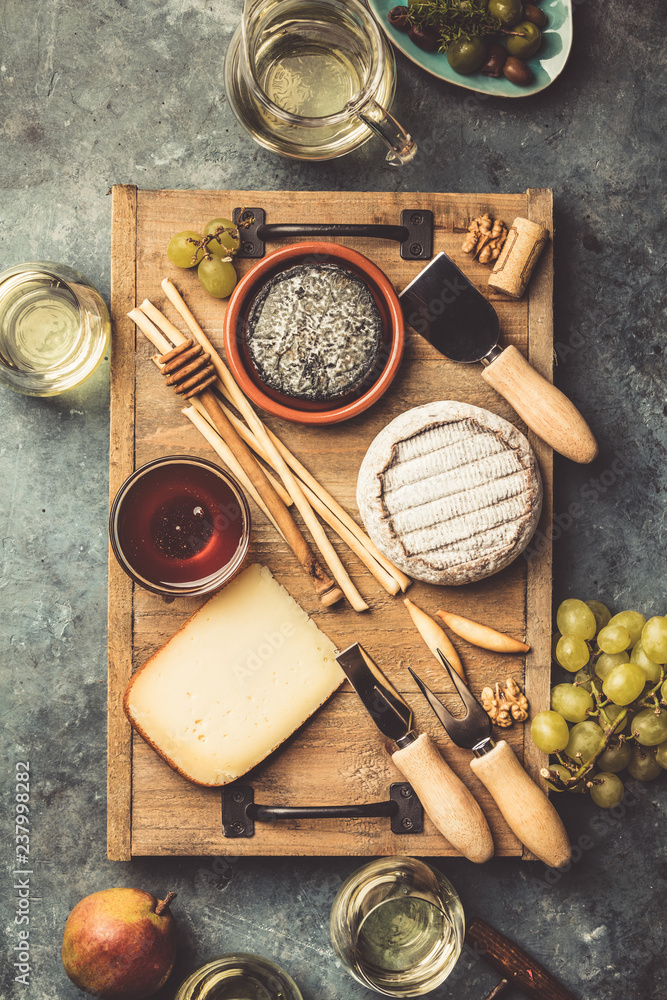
(546, 65)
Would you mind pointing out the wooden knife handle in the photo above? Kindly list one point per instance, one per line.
(524, 805)
(445, 798)
(542, 406)
(522, 971)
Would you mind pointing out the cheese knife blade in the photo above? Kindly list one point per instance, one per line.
(445, 798)
(386, 707)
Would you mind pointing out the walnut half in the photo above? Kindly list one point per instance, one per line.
(506, 703)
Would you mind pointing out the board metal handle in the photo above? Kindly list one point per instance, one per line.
(240, 811)
(415, 233)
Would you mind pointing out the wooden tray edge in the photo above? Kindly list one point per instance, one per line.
(539, 580)
(121, 464)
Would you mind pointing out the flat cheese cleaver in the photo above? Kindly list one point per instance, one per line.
(445, 798)
(447, 310)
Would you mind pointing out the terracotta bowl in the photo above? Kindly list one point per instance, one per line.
(306, 411)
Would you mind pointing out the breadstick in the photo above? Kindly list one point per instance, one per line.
(435, 637)
(482, 635)
(387, 581)
(228, 457)
(293, 488)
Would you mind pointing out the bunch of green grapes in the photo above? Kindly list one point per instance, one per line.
(612, 715)
(211, 253)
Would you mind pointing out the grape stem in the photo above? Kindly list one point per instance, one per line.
(203, 243)
(579, 774)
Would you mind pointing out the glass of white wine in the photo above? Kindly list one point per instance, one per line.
(54, 328)
(397, 926)
(314, 79)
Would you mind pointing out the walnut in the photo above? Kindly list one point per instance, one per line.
(506, 704)
(485, 238)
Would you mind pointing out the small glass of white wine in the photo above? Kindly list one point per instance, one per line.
(397, 926)
(54, 328)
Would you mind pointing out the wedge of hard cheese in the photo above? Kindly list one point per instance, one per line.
(238, 678)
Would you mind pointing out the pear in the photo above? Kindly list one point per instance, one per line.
(120, 944)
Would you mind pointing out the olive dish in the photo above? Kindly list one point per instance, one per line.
(546, 64)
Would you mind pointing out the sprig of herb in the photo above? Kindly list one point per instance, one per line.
(453, 19)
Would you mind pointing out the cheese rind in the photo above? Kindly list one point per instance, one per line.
(451, 493)
(239, 677)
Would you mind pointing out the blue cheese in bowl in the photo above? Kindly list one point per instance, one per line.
(314, 332)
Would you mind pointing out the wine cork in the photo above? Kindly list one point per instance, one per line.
(519, 255)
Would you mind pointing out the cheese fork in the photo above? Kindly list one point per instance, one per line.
(445, 798)
(524, 805)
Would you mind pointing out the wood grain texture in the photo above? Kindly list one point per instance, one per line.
(346, 759)
(516, 965)
(446, 800)
(121, 464)
(524, 805)
(538, 555)
(545, 409)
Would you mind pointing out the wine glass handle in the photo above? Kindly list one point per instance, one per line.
(402, 147)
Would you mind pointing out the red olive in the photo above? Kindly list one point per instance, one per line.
(495, 60)
(427, 40)
(516, 71)
(535, 15)
(398, 17)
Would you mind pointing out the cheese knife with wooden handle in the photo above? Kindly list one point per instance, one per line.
(524, 805)
(445, 798)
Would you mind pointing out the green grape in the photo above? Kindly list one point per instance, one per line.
(661, 755)
(225, 244)
(561, 770)
(643, 764)
(633, 621)
(652, 670)
(650, 727)
(654, 639)
(616, 757)
(181, 250)
(217, 276)
(624, 683)
(583, 679)
(585, 738)
(576, 618)
(549, 731)
(554, 645)
(572, 653)
(608, 790)
(613, 638)
(663, 691)
(612, 712)
(601, 612)
(606, 661)
(573, 703)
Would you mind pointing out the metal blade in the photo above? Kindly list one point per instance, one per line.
(447, 310)
(386, 707)
(470, 729)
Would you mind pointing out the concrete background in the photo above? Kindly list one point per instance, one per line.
(101, 92)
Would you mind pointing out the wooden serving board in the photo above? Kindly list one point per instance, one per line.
(338, 756)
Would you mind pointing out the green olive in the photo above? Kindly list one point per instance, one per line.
(508, 12)
(466, 55)
(526, 43)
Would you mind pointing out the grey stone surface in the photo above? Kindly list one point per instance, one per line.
(106, 92)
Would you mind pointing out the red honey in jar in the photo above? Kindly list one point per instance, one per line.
(180, 525)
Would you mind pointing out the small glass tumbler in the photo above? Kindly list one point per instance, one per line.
(239, 977)
(397, 926)
(54, 328)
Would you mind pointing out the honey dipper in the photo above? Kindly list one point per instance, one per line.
(189, 371)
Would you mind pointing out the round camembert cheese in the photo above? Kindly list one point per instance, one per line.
(451, 493)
